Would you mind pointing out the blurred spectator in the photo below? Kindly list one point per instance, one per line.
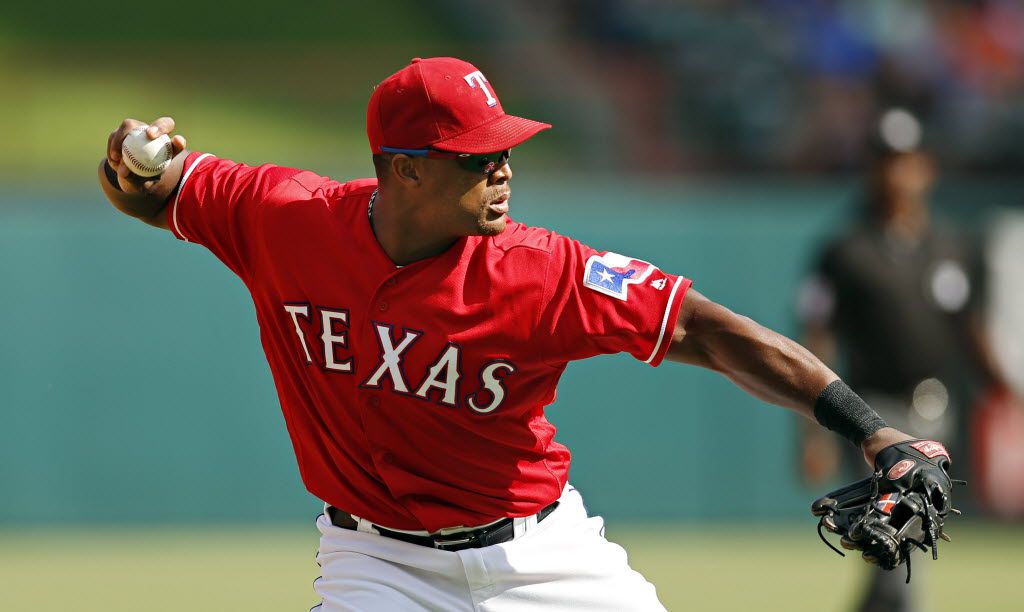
(895, 299)
(793, 84)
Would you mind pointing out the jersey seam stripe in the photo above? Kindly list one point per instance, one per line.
(181, 189)
(664, 319)
(312, 192)
(304, 188)
(539, 318)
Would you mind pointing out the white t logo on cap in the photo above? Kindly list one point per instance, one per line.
(477, 78)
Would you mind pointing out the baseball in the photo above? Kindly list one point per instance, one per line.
(146, 157)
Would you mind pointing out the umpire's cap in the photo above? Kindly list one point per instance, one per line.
(446, 104)
(898, 132)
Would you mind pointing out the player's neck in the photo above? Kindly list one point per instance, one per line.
(403, 235)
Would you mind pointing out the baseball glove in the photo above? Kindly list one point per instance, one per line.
(902, 506)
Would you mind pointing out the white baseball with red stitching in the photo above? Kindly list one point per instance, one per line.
(145, 157)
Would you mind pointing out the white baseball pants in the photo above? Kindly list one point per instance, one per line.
(562, 563)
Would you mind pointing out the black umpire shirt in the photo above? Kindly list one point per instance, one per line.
(899, 310)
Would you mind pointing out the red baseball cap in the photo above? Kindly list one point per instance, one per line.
(446, 104)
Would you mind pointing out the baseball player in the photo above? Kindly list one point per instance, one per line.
(416, 333)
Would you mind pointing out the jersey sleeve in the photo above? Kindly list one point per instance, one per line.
(601, 302)
(217, 203)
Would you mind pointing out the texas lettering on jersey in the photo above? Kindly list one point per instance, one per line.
(442, 377)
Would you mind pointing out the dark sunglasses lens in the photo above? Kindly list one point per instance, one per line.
(486, 163)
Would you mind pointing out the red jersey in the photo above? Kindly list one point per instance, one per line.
(414, 396)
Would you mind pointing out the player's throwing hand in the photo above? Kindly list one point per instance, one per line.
(141, 197)
(126, 180)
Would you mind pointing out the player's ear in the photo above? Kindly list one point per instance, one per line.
(405, 170)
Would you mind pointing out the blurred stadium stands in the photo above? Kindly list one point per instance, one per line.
(795, 84)
(644, 86)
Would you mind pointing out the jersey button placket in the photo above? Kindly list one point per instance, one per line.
(382, 305)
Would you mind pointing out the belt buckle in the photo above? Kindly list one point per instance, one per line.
(444, 544)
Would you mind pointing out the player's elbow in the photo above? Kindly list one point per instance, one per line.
(701, 329)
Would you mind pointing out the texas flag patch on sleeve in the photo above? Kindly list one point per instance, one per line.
(612, 274)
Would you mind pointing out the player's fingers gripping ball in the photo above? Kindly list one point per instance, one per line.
(902, 506)
(145, 157)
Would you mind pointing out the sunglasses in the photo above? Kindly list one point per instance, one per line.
(485, 163)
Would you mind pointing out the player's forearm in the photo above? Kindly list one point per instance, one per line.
(148, 201)
(775, 369)
(766, 364)
(138, 205)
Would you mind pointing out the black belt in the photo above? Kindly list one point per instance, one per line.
(495, 533)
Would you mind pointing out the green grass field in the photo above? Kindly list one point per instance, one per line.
(694, 568)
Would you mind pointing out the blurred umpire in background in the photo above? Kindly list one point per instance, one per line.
(894, 301)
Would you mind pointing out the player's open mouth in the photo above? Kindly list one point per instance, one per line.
(500, 205)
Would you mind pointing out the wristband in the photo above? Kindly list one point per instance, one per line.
(111, 175)
(840, 409)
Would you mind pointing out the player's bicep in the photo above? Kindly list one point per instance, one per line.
(698, 319)
(709, 335)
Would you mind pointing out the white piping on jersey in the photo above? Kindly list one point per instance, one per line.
(664, 320)
(181, 187)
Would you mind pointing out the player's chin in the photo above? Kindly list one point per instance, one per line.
(493, 223)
